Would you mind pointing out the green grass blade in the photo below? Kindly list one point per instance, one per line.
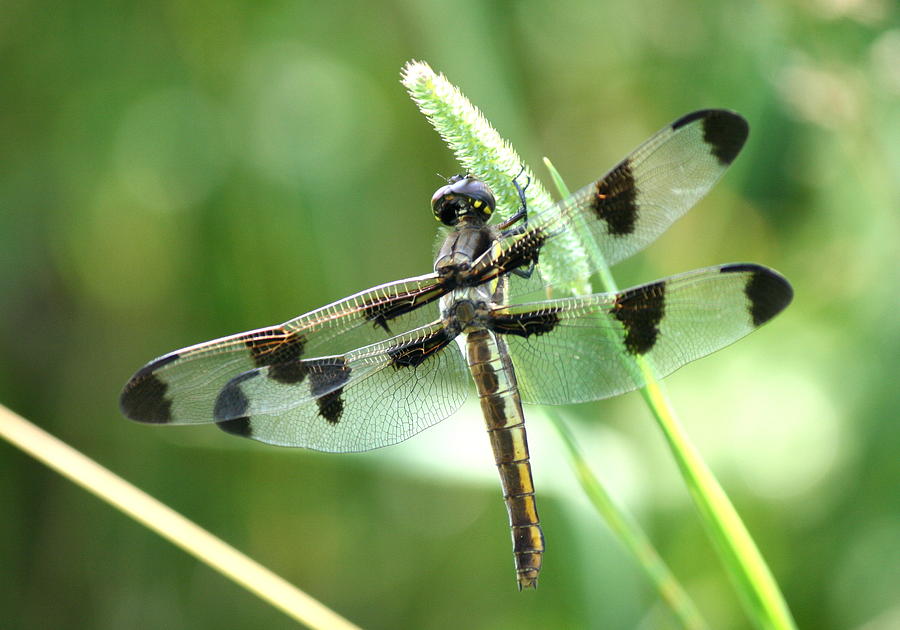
(168, 523)
(752, 579)
(630, 534)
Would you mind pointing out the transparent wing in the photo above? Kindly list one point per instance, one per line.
(617, 215)
(182, 386)
(629, 207)
(364, 399)
(579, 349)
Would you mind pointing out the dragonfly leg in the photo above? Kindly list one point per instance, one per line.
(522, 214)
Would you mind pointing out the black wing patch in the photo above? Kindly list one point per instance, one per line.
(327, 378)
(641, 310)
(281, 349)
(275, 345)
(723, 131)
(615, 200)
(146, 395)
(414, 353)
(238, 426)
(524, 324)
(231, 402)
(767, 293)
(381, 312)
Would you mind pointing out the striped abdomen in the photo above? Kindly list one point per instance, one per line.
(502, 408)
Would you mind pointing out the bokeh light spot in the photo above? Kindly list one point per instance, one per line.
(170, 151)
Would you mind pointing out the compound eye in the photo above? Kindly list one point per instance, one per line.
(478, 195)
(438, 195)
(445, 205)
(447, 210)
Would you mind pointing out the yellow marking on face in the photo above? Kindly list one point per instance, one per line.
(477, 204)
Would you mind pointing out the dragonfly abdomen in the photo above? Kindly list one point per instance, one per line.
(502, 408)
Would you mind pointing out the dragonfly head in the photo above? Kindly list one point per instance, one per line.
(463, 197)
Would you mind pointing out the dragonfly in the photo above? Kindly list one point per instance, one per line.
(379, 366)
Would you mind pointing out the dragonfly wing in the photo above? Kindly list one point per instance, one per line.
(628, 208)
(182, 386)
(364, 399)
(584, 348)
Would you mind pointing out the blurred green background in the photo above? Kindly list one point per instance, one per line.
(173, 172)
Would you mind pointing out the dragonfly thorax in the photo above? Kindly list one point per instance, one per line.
(465, 314)
(463, 246)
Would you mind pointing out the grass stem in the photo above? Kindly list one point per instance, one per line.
(168, 523)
